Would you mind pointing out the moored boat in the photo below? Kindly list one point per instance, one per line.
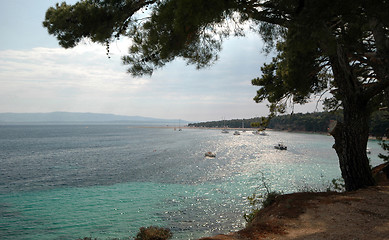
(210, 154)
(281, 146)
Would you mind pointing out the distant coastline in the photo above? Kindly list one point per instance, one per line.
(66, 118)
(317, 122)
(371, 137)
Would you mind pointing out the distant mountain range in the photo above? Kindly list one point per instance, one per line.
(70, 117)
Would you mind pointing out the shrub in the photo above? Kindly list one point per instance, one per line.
(338, 185)
(153, 233)
(270, 198)
(259, 201)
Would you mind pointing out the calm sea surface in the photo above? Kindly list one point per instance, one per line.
(69, 182)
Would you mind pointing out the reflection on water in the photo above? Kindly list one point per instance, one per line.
(67, 182)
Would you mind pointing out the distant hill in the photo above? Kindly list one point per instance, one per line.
(70, 117)
(310, 122)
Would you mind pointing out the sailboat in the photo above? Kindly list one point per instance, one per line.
(225, 129)
(179, 125)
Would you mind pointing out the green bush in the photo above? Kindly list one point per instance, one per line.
(270, 198)
(337, 184)
(259, 201)
(153, 233)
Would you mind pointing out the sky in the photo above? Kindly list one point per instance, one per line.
(37, 75)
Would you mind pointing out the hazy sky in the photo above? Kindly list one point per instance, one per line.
(37, 75)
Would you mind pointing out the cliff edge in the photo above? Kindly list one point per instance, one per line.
(362, 214)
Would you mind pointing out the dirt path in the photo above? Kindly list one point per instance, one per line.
(363, 214)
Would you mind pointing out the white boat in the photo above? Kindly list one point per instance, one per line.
(260, 132)
(236, 133)
(281, 146)
(225, 127)
(179, 125)
(263, 133)
(210, 154)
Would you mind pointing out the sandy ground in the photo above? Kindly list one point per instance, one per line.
(363, 214)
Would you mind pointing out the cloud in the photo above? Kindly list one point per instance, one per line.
(39, 77)
(84, 79)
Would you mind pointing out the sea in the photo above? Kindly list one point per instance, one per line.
(107, 181)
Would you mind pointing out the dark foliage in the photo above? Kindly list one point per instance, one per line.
(310, 122)
(332, 46)
(153, 233)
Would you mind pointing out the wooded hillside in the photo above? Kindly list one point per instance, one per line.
(310, 122)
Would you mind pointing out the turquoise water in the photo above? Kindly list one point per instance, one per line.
(69, 182)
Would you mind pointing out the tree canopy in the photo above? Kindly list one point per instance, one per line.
(336, 46)
(333, 46)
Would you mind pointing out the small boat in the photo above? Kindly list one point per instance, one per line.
(260, 132)
(368, 151)
(225, 127)
(236, 133)
(263, 133)
(280, 146)
(179, 125)
(210, 154)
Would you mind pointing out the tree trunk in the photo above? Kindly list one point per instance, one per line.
(352, 135)
(350, 145)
